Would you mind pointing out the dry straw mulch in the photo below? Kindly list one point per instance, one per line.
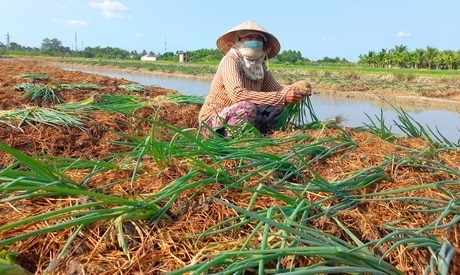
(172, 243)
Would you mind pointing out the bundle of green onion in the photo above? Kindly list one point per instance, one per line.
(295, 113)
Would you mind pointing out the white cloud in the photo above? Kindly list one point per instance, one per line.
(326, 39)
(402, 34)
(59, 5)
(138, 34)
(109, 9)
(77, 23)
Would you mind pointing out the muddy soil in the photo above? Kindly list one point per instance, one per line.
(166, 246)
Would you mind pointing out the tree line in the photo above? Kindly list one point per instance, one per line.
(399, 56)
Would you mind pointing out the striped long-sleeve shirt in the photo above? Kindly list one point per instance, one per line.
(230, 86)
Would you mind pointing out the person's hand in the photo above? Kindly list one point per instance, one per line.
(293, 95)
(298, 91)
(304, 87)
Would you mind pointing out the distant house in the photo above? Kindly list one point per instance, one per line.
(148, 58)
(182, 57)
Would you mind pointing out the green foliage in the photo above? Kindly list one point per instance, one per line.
(106, 52)
(296, 114)
(185, 99)
(277, 233)
(83, 86)
(53, 47)
(168, 56)
(204, 55)
(39, 115)
(26, 86)
(43, 94)
(133, 87)
(378, 127)
(106, 102)
(289, 57)
(35, 92)
(8, 264)
(408, 126)
(35, 76)
(401, 57)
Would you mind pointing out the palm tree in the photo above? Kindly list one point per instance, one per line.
(384, 58)
(438, 60)
(369, 59)
(399, 55)
(362, 59)
(430, 54)
(372, 59)
(457, 60)
(417, 57)
(448, 57)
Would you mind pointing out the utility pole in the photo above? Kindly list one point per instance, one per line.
(7, 40)
(76, 41)
(165, 44)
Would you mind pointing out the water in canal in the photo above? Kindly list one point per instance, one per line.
(354, 112)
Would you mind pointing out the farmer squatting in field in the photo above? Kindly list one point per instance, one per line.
(243, 90)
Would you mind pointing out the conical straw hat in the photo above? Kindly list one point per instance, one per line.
(225, 41)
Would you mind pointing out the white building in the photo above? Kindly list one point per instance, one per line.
(148, 58)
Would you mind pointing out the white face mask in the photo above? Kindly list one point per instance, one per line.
(252, 69)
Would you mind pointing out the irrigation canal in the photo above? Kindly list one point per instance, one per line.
(352, 112)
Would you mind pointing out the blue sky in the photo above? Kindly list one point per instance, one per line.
(332, 28)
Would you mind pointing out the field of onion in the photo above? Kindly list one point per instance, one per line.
(103, 176)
